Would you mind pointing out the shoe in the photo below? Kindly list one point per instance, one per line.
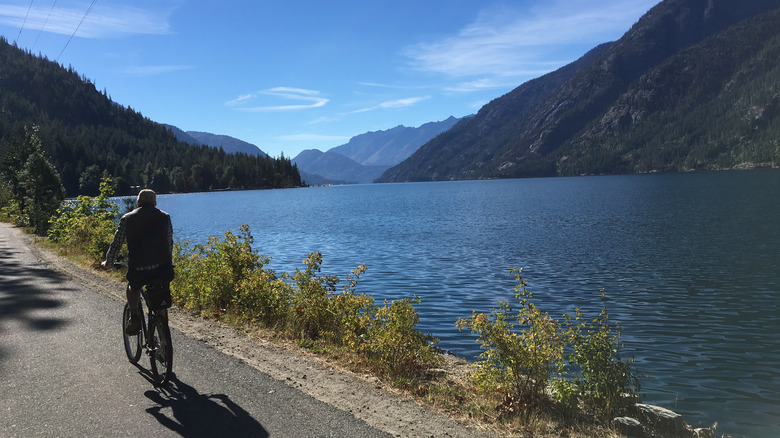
(133, 324)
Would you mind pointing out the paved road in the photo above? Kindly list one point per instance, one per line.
(63, 372)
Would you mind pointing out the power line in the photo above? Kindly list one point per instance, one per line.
(25, 21)
(77, 28)
(44, 24)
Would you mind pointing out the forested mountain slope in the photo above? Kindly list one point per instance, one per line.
(692, 85)
(87, 136)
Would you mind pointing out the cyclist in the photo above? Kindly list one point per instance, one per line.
(149, 235)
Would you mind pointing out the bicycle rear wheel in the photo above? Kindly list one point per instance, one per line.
(133, 343)
(161, 350)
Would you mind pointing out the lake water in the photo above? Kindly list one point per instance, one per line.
(690, 264)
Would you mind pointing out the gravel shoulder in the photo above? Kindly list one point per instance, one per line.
(363, 396)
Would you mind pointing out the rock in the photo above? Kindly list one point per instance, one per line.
(630, 427)
(663, 421)
(657, 422)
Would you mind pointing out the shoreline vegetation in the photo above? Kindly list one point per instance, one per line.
(537, 375)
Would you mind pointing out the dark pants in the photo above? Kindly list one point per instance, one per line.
(137, 279)
(159, 297)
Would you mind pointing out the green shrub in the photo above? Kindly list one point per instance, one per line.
(87, 223)
(518, 363)
(527, 353)
(566, 395)
(185, 262)
(229, 276)
(263, 298)
(605, 380)
(9, 208)
(354, 310)
(393, 343)
(208, 275)
(310, 314)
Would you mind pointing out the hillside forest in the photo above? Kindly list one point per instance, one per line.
(87, 137)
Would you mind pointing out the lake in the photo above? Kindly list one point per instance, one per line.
(689, 262)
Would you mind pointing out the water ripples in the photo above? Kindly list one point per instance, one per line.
(689, 264)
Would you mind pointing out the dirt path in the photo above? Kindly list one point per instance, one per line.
(362, 396)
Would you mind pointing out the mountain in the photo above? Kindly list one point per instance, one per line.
(229, 144)
(474, 140)
(333, 166)
(390, 147)
(692, 85)
(366, 156)
(183, 136)
(311, 179)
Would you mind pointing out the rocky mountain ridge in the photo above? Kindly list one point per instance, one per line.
(609, 111)
(366, 156)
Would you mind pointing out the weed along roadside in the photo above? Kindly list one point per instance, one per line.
(537, 375)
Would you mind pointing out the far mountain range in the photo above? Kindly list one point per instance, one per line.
(366, 156)
(362, 160)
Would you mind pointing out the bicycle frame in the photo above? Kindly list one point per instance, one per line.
(158, 341)
(154, 338)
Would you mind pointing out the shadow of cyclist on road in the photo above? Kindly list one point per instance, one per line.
(191, 414)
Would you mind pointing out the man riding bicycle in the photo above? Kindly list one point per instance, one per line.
(149, 235)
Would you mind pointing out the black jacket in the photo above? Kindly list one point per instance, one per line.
(149, 236)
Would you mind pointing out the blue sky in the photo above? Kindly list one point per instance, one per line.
(294, 75)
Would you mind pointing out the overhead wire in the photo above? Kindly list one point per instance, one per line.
(77, 28)
(44, 24)
(29, 8)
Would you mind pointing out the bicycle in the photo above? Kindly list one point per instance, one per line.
(154, 337)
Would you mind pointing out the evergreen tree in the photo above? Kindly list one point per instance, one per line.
(43, 189)
(35, 185)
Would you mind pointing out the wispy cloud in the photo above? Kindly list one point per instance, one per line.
(314, 138)
(105, 20)
(327, 119)
(507, 42)
(152, 70)
(487, 83)
(394, 104)
(312, 98)
(394, 86)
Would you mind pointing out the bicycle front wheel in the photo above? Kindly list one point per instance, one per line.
(133, 343)
(161, 350)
